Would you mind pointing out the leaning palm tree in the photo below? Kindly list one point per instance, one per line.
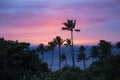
(81, 55)
(94, 52)
(42, 48)
(52, 46)
(69, 26)
(59, 41)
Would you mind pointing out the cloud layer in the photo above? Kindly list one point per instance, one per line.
(39, 21)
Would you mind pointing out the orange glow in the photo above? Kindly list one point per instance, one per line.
(85, 42)
(38, 22)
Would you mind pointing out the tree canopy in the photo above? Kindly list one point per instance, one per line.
(18, 61)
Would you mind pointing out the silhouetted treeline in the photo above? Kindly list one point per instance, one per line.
(18, 62)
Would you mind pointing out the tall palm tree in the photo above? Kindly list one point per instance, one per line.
(63, 58)
(42, 48)
(69, 26)
(52, 46)
(94, 52)
(81, 55)
(59, 41)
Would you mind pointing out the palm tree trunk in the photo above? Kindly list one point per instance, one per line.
(73, 61)
(84, 64)
(66, 62)
(52, 60)
(71, 52)
(42, 56)
(96, 59)
(59, 57)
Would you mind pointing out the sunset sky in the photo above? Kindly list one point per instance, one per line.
(39, 21)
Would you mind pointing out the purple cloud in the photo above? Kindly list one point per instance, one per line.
(95, 16)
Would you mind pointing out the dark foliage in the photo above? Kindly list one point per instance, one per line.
(17, 61)
(107, 69)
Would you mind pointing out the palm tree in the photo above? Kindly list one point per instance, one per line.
(117, 45)
(94, 52)
(52, 46)
(68, 43)
(63, 58)
(69, 26)
(81, 55)
(42, 48)
(105, 48)
(59, 41)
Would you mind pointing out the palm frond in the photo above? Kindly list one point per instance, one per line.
(77, 30)
(65, 28)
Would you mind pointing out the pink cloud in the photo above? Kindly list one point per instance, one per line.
(37, 22)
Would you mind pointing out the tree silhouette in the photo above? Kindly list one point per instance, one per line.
(81, 55)
(63, 58)
(68, 43)
(69, 26)
(17, 61)
(3, 53)
(117, 45)
(94, 52)
(52, 46)
(59, 41)
(105, 48)
(42, 48)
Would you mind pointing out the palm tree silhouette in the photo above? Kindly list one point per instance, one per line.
(68, 43)
(52, 46)
(69, 26)
(105, 48)
(63, 58)
(59, 41)
(117, 45)
(94, 52)
(42, 48)
(81, 55)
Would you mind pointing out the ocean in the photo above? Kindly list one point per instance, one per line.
(66, 51)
